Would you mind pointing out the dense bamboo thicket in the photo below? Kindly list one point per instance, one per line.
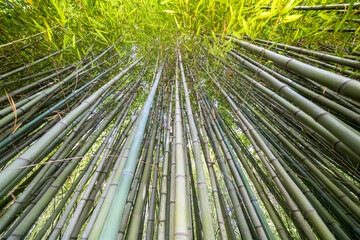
(179, 119)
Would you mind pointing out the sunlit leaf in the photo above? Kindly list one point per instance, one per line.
(325, 16)
(169, 11)
(166, 1)
(291, 18)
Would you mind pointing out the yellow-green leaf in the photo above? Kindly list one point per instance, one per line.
(198, 30)
(245, 26)
(237, 35)
(74, 41)
(264, 14)
(132, 11)
(169, 11)
(48, 30)
(325, 17)
(166, 1)
(291, 18)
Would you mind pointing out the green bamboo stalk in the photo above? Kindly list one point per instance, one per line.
(22, 39)
(85, 178)
(294, 209)
(41, 95)
(135, 221)
(61, 154)
(99, 183)
(101, 217)
(315, 170)
(9, 152)
(152, 207)
(304, 204)
(305, 149)
(80, 205)
(5, 75)
(355, 117)
(303, 117)
(165, 170)
(113, 218)
(44, 153)
(32, 85)
(200, 176)
(133, 190)
(5, 111)
(193, 212)
(55, 107)
(62, 151)
(181, 200)
(240, 218)
(340, 196)
(42, 203)
(134, 186)
(340, 70)
(196, 229)
(230, 230)
(170, 218)
(34, 150)
(281, 229)
(322, 212)
(37, 134)
(343, 85)
(228, 154)
(99, 221)
(348, 103)
(48, 223)
(91, 224)
(320, 55)
(248, 196)
(203, 138)
(321, 7)
(267, 180)
(345, 133)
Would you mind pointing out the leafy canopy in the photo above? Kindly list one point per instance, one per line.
(158, 23)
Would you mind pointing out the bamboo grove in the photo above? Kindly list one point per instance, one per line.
(159, 125)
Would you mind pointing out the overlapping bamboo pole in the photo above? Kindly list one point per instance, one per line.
(113, 219)
(273, 170)
(200, 177)
(343, 85)
(30, 154)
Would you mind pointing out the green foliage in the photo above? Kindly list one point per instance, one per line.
(157, 24)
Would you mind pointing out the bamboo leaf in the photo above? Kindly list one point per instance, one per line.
(169, 11)
(73, 41)
(166, 1)
(291, 18)
(325, 16)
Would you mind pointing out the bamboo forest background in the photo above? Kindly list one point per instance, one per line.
(179, 119)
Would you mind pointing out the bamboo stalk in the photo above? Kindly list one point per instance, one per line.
(154, 188)
(307, 208)
(25, 158)
(355, 117)
(92, 224)
(242, 223)
(113, 218)
(203, 138)
(164, 180)
(181, 201)
(321, 55)
(200, 177)
(310, 122)
(321, 7)
(135, 221)
(343, 85)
